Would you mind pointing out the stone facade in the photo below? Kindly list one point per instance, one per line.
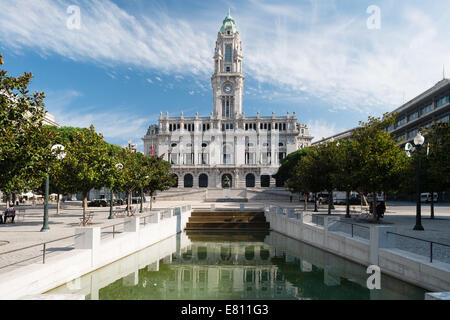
(226, 149)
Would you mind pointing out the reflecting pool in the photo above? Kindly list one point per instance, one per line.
(232, 267)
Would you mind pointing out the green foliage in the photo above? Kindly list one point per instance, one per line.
(379, 162)
(286, 169)
(25, 145)
(438, 173)
(160, 179)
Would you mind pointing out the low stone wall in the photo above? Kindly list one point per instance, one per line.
(91, 253)
(378, 250)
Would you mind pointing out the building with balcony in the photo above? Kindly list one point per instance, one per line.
(226, 149)
(420, 113)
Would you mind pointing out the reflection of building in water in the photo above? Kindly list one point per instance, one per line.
(226, 270)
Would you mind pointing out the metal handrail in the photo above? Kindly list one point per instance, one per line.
(431, 242)
(44, 244)
(352, 224)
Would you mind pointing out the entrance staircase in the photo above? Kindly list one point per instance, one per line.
(228, 220)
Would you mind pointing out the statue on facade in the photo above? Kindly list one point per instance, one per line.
(226, 182)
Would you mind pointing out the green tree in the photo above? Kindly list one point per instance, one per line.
(160, 178)
(346, 174)
(305, 175)
(85, 164)
(379, 163)
(286, 169)
(25, 145)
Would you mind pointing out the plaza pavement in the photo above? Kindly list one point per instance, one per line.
(26, 232)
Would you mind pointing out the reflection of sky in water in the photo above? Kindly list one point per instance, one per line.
(223, 268)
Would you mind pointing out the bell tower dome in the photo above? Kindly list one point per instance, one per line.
(228, 79)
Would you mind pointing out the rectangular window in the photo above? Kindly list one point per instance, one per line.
(442, 101)
(189, 158)
(173, 158)
(226, 158)
(203, 158)
(444, 119)
(228, 53)
(250, 158)
(426, 109)
(413, 116)
(266, 158)
(401, 122)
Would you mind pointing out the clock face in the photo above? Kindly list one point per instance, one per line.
(227, 88)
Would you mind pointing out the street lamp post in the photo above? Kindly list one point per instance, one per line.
(142, 195)
(111, 193)
(418, 142)
(61, 155)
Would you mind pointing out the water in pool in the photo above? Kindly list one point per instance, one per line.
(233, 267)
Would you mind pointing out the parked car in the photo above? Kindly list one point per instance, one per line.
(426, 197)
(98, 203)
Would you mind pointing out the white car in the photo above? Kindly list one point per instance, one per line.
(426, 197)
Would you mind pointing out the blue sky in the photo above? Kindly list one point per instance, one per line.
(132, 59)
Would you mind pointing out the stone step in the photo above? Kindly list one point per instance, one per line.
(226, 213)
(227, 225)
(228, 219)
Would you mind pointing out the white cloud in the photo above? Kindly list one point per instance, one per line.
(322, 129)
(308, 47)
(108, 35)
(159, 79)
(149, 80)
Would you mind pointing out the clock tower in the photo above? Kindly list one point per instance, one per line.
(228, 79)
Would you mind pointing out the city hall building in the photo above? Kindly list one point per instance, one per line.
(226, 149)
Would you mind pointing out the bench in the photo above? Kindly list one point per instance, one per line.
(120, 213)
(87, 220)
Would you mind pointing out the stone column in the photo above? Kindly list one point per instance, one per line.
(89, 238)
(379, 238)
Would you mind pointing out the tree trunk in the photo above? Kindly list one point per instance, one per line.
(315, 203)
(7, 200)
(151, 201)
(374, 207)
(432, 205)
(330, 201)
(128, 203)
(84, 207)
(58, 204)
(347, 203)
(305, 197)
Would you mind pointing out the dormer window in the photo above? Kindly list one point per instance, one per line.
(228, 32)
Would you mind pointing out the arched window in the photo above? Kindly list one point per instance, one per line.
(203, 181)
(249, 253)
(188, 181)
(265, 181)
(250, 180)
